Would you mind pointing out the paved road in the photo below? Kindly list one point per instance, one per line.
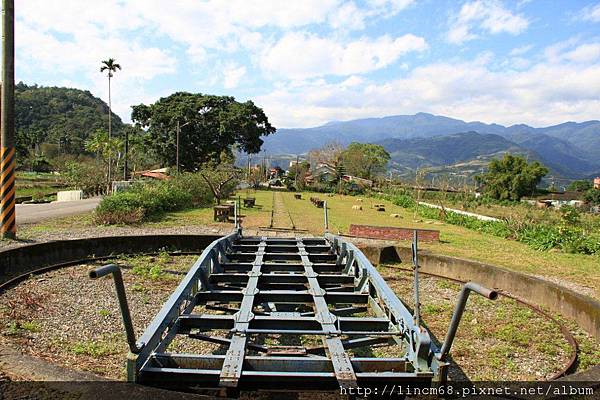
(468, 214)
(32, 213)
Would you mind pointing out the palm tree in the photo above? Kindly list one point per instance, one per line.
(111, 66)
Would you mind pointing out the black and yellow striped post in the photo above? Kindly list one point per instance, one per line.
(8, 226)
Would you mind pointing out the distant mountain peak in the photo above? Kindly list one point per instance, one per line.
(571, 149)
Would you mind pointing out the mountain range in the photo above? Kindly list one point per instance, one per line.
(570, 150)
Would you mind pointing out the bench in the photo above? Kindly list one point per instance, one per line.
(317, 202)
(223, 213)
(249, 202)
(379, 207)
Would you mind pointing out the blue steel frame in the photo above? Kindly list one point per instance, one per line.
(287, 286)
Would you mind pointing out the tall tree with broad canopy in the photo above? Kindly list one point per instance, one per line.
(511, 178)
(365, 160)
(209, 126)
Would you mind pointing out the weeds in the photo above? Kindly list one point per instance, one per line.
(18, 328)
(104, 313)
(569, 234)
(94, 349)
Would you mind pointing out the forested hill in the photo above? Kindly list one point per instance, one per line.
(58, 117)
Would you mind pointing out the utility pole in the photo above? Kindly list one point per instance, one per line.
(8, 227)
(177, 145)
(125, 172)
(297, 171)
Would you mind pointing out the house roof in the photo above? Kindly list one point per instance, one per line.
(155, 175)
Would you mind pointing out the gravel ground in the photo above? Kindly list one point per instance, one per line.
(68, 319)
(496, 340)
(42, 236)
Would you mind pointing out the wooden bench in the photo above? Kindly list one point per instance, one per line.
(223, 213)
(317, 202)
(249, 202)
(379, 207)
(297, 196)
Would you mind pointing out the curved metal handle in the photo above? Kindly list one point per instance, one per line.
(122, 297)
(458, 312)
(482, 290)
(104, 270)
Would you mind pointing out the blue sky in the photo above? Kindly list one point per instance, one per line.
(307, 62)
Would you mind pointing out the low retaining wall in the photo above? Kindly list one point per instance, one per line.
(69, 195)
(22, 260)
(393, 233)
(557, 298)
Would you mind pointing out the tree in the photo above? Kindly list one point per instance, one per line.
(511, 178)
(140, 156)
(105, 148)
(85, 176)
(210, 125)
(592, 196)
(111, 66)
(365, 160)
(330, 153)
(221, 179)
(59, 119)
(296, 175)
(580, 186)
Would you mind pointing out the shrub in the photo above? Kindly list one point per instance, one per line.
(592, 196)
(40, 163)
(121, 208)
(567, 234)
(196, 187)
(141, 202)
(85, 176)
(404, 200)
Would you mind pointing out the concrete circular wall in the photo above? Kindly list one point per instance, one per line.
(28, 258)
(557, 298)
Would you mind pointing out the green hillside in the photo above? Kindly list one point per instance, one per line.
(58, 118)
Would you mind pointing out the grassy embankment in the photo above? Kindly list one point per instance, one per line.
(37, 185)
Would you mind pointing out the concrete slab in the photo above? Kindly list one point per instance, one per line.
(69, 195)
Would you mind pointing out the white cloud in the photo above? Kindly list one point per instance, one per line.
(544, 93)
(591, 13)
(232, 74)
(217, 24)
(349, 16)
(489, 16)
(519, 51)
(584, 53)
(573, 50)
(301, 55)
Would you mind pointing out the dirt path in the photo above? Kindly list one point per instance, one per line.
(280, 217)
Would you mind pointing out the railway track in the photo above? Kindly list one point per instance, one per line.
(281, 218)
